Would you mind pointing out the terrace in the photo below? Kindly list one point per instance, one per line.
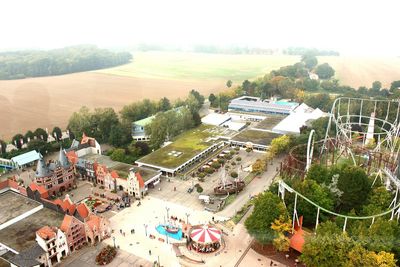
(21, 235)
(121, 168)
(185, 147)
(13, 205)
(270, 122)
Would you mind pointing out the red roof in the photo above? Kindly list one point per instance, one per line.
(82, 210)
(43, 192)
(114, 174)
(46, 233)
(66, 205)
(72, 157)
(93, 221)
(66, 223)
(140, 180)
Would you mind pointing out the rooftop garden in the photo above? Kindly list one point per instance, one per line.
(184, 147)
(256, 137)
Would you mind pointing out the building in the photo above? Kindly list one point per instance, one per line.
(34, 256)
(257, 105)
(75, 232)
(140, 179)
(26, 159)
(302, 115)
(54, 242)
(138, 132)
(97, 229)
(56, 176)
(223, 120)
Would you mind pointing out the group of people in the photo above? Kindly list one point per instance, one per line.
(205, 248)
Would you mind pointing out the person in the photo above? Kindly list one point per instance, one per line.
(271, 263)
(120, 231)
(174, 188)
(149, 252)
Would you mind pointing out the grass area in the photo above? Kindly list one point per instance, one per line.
(239, 215)
(190, 143)
(249, 178)
(194, 66)
(256, 137)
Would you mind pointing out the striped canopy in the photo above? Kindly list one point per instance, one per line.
(205, 235)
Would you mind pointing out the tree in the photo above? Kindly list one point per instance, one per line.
(354, 183)
(259, 166)
(309, 60)
(359, 256)
(39, 145)
(229, 83)
(325, 71)
(246, 86)
(143, 147)
(164, 104)
(193, 103)
(395, 85)
(29, 136)
(81, 122)
(376, 87)
(282, 226)
(267, 208)
(103, 120)
(57, 133)
(198, 96)
(3, 147)
(196, 119)
(212, 99)
(120, 135)
(280, 144)
(378, 201)
(319, 173)
(118, 155)
(18, 140)
(326, 250)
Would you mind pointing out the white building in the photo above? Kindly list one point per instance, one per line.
(140, 179)
(54, 242)
(298, 118)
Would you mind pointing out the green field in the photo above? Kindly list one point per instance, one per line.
(197, 66)
(256, 137)
(189, 143)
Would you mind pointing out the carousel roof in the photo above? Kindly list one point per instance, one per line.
(205, 234)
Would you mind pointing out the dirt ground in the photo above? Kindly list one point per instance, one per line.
(49, 101)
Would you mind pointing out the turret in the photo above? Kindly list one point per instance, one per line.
(41, 169)
(63, 159)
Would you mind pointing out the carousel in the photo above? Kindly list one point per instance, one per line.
(205, 239)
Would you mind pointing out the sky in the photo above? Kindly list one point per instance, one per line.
(353, 27)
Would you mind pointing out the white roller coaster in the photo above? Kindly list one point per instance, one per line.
(367, 119)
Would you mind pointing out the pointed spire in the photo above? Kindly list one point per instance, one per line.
(41, 169)
(63, 158)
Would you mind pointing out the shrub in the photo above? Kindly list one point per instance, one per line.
(234, 174)
(232, 152)
(237, 148)
(215, 165)
(209, 170)
(227, 156)
(248, 149)
(221, 161)
(199, 189)
(106, 255)
(233, 163)
(201, 179)
(201, 175)
(238, 159)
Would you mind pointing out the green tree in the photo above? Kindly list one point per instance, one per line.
(280, 144)
(118, 155)
(259, 166)
(376, 87)
(41, 134)
(40, 146)
(57, 133)
(196, 119)
(319, 173)
(120, 135)
(354, 183)
(378, 201)
(18, 140)
(229, 83)
(103, 120)
(29, 136)
(309, 60)
(81, 122)
(164, 104)
(325, 71)
(395, 85)
(212, 99)
(3, 147)
(267, 208)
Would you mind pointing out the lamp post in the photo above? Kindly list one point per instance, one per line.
(159, 264)
(187, 217)
(145, 229)
(113, 240)
(167, 213)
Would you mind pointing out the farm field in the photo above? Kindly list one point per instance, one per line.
(49, 101)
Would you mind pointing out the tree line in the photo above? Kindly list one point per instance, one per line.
(299, 51)
(37, 63)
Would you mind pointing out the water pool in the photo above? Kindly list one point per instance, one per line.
(177, 236)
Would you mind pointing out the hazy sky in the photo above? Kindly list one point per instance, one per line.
(352, 26)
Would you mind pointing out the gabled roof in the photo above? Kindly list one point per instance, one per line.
(66, 223)
(46, 232)
(27, 258)
(93, 221)
(114, 174)
(72, 156)
(140, 179)
(43, 192)
(83, 210)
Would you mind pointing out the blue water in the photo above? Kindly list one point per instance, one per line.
(286, 103)
(177, 236)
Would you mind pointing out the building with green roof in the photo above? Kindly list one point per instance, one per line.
(138, 132)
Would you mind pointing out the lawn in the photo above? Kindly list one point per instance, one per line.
(270, 122)
(189, 143)
(256, 137)
(195, 66)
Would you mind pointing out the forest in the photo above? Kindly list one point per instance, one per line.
(38, 63)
